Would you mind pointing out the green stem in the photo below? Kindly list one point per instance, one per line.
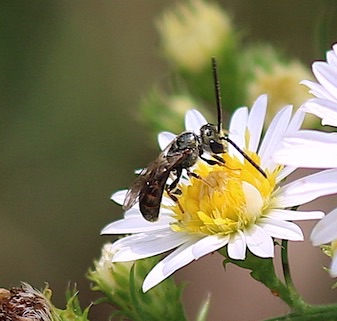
(285, 264)
(298, 304)
(312, 313)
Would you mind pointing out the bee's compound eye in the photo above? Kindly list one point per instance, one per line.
(217, 148)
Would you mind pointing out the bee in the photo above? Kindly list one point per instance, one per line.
(182, 153)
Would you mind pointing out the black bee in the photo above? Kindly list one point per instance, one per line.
(182, 153)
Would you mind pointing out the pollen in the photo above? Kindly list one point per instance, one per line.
(222, 199)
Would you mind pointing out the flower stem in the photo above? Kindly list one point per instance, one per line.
(312, 313)
(298, 304)
(262, 269)
(285, 264)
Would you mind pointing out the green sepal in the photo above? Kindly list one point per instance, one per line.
(262, 269)
(163, 302)
(73, 311)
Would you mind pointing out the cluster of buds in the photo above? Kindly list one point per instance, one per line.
(193, 32)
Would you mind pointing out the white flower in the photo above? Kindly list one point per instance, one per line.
(231, 205)
(325, 232)
(316, 149)
(313, 148)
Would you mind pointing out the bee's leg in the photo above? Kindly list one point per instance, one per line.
(172, 189)
(218, 161)
(212, 162)
(192, 174)
(173, 196)
(174, 184)
(195, 175)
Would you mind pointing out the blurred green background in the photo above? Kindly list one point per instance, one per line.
(72, 76)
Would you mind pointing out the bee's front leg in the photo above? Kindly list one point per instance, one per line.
(219, 160)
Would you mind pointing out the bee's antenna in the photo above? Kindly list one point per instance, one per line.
(217, 93)
(245, 155)
(219, 108)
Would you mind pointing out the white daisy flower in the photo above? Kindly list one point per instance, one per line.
(313, 148)
(316, 149)
(231, 205)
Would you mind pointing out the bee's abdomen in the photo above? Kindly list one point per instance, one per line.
(149, 204)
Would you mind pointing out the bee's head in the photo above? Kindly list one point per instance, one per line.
(211, 139)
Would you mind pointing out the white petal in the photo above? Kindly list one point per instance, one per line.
(284, 172)
(307, 189)
(323, 108)
(119, 196)
(326, 76)
(273, 136)
(174, 261)
(259, 242)
(331, 57)
(295, 122)
(134, 212)
(308, 148)
(138, 171)
(237, 246)
(333, 266)
(317, 90)
(281, 229)
(237, 130)
(208, 245)
(289, 215)
(136, 224)
(325, 230)
(255, 122)
(253, 199)
(142, 245)
(164, 139)
(194, 120)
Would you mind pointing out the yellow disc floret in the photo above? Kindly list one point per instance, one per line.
(223, 198)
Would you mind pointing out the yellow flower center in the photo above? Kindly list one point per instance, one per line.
(224, 198)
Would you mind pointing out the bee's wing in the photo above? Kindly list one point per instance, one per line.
(148, 173)
(134, 191)
(155, 171)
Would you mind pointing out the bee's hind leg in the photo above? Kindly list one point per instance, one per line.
(172, 189)
(173, 196)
